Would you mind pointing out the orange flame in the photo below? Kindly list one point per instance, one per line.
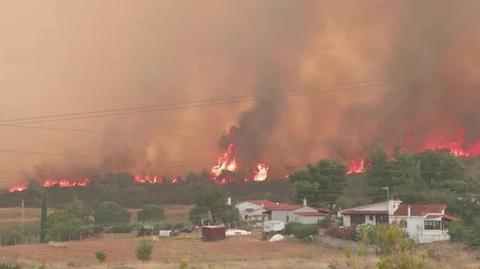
(356, 166)
(147, 179)
(261, 172)
(66, 182)
(458, 148)
(177, 180)
(226, 162)
(19, 187)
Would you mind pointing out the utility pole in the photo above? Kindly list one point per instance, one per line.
(388, 192)
(23, 213)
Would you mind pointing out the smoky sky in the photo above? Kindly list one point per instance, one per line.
(75, 56)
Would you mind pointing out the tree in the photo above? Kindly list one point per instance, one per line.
(473, 236)
(67, 221)
(321, 183)
(378, 173)
(43, 219)
(111, 213)
(456, 230)
(211, 205)
(151, 213)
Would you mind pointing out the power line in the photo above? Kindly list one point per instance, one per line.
(114, 132)
(46, 153)
(186, 104)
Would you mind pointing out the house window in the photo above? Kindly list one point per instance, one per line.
(287, 218)
(381, 219)
(370, 218)
(433, 225)
(357, 219)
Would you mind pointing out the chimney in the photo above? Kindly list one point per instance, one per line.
(391, 207)
(409, 211)
(229, 201)
(305, 201)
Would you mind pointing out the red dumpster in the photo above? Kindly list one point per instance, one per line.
(213, 233)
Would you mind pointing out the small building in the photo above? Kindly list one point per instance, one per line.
(254, 210)
(424, 223)
(213, 233)
(264, 210)
(297, 213)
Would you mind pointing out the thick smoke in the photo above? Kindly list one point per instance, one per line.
(422, 57)
(430, 95)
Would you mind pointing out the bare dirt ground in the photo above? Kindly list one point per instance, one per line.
(239, 252)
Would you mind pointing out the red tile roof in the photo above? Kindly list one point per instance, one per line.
(420, 210)
(265, 203)
(283, 207)
(271, 206)
(364, 212)
(449, 218)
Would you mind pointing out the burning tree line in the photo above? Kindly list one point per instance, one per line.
(225, 171)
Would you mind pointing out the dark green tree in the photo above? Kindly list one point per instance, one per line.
(151, 213)
(378, 174)
(43, 219)
(320, 184)
(111, 213)
(211, 205)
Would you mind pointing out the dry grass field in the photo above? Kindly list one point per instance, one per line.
(13, 216)
(235, 253)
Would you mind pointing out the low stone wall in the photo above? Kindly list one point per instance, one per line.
(328, 241)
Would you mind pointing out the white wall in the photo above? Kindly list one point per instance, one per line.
(256, 214)
(245, 205)
(280, 216)
(310, 219)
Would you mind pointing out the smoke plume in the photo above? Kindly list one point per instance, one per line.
(329, 79)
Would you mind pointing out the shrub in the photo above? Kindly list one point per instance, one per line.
(122, 228)
(456, 230)
(390, 236)
(366, 233)
(301, 231)
(101, 257)
(398, 250)
(326, 222)
(183, 264)
(346, 233)
(151, 213)
(5, 265)
(144, 250)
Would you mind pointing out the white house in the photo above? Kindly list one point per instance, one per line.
(254, 210)
(423, 223)
(263, 210)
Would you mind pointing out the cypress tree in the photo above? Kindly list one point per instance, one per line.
(43, 219)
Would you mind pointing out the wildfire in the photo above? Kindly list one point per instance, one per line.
(177, 180)
(147, 179)
(458, 149)
(261, 172)
(19, 187)
(66, 182)
(226, 162)
(356, 166)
